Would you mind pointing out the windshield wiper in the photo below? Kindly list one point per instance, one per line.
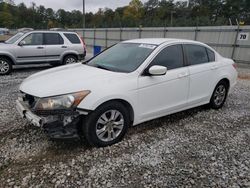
(102, 67)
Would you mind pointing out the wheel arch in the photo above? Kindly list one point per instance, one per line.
(226, 80)
(8, 57)
(125, 103)
(223, 78)
(68, 54)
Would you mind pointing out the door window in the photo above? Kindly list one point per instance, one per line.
(53, 39)
(170, 57)
(196, 54)
(34, 39)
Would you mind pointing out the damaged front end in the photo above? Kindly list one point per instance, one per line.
(64, 125)
(59, 120)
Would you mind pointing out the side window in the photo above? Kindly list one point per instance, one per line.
(34, 39)
(211, 55)
(53, 39)
(196, 54)
(73, 38)
(170, 57)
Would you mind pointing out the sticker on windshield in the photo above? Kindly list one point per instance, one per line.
(149, 46)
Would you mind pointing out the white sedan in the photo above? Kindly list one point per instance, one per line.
(127, 84)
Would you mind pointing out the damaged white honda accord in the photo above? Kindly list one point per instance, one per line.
(127, 84)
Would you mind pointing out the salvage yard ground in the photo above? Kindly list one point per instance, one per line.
(196, 148)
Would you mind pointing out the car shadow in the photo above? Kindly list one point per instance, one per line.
(62, 145)
(166, 120)
(30, 68)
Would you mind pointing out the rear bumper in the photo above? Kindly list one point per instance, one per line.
(82, 56)
(56, 126)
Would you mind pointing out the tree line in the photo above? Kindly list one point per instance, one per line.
(153, 13)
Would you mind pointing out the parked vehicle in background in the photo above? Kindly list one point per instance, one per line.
(25, 29)
(35, 47)
(58, 29)
(129, 83)
(4, 31)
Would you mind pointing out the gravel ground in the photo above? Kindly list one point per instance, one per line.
(196, 148)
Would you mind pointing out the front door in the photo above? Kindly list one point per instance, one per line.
(31, 50)
(161, 95)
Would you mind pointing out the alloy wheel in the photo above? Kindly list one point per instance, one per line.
(70, 60)
(109, 125)
(4, 67)
(220, 95)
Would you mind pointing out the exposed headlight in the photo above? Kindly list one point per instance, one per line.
(61, 102)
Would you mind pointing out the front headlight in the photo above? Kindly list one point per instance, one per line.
(61, 102)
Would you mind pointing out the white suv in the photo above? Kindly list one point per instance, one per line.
(54, 47)
(130, 83)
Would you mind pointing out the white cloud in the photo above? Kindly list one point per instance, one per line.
(91, 5)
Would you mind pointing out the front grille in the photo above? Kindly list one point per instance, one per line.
(63, 112)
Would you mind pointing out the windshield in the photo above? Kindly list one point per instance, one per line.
(14, 38)
(123, 57)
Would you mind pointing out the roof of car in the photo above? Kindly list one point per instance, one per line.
(49, 31)
(158, 41)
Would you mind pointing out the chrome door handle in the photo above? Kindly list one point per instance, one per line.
(184, 74)
(40, 47)
(64, 47)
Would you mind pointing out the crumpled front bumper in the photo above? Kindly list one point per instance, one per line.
(27, 114)
(61, 126)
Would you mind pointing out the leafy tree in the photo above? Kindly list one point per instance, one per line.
(6, 19)
(152, 13)
(133, 13)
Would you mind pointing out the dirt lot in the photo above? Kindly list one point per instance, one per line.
(196, 148)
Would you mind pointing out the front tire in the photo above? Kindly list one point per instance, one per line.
(5, 66)
(219, 95)
(107, 125)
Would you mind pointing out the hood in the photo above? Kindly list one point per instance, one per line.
(4, 45)
(67, 79)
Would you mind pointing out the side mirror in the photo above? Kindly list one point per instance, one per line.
(157, 70)
(22, 43)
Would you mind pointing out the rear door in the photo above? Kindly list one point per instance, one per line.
(54, 45)
(32, 50)
(203, 73)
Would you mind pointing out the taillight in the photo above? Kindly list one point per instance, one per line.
(83, 43)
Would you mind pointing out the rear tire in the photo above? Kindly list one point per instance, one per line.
(5, 66)
(70, 59)
(219, 95)
(107, 125)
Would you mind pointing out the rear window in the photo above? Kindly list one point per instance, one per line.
(73, 38)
